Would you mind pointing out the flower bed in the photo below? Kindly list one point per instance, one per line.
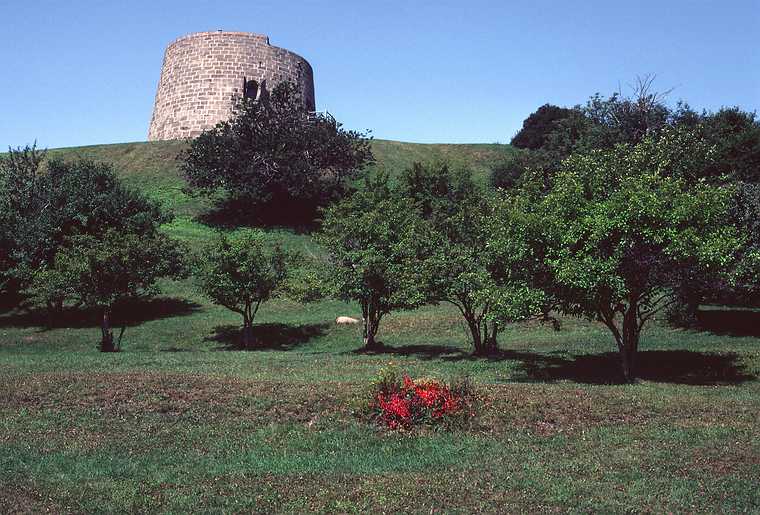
(399, 402)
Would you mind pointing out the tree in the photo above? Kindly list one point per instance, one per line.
(457, 263)
(242, 271)
(372, 240)
(274, 155)
(507, 175)
(538, 126)
(624, 226)
(104, 271)
(22, 199)
(44, 203)
(735, 134)
(73, 232)
(605, 121)
(620, 119)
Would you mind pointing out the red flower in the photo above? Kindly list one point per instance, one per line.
(408, 383)
(412, 403)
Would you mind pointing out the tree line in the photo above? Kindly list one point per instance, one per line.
(618, 211)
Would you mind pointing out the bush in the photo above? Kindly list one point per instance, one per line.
(508, 175)
(398, 402)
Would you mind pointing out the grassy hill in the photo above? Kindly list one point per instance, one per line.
(184, 419)
(152, 167)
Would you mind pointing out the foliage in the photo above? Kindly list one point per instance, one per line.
(372, 241)
(21, 201)
(735, 134)
(507, 175)
(274, 155)
(103, 272)
(398, 402)
(605, 121)
(537, 127)
(43, 206)
(626, 225)
(242, 271)
(457, 265)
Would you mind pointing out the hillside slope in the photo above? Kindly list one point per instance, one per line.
(152, 167)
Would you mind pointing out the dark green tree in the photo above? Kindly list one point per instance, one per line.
(43, 204)
(537, 127)
(275, 157)
(23, 198)
(735, 136)
(508, 174)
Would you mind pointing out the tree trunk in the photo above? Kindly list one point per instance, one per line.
(370, 331)
(106, 341)
(477, 341)
(491, 343)
(488, 344)
(371, 324)
(483, 340)
(247, 336)
(629, 344)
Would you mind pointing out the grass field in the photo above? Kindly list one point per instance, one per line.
(185, 420)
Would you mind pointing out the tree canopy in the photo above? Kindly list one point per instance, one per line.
(105, 270)
(625, 225)
(242, 271)
(45, 203)
(372, 239)
(274, 158)
(458, 263)
(537, 127)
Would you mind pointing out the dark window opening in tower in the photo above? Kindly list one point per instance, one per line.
(250, 89)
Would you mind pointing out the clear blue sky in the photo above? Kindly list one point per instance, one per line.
(85, 72)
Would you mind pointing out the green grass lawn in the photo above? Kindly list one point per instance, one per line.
(185, 420)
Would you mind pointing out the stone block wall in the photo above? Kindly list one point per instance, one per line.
(203, 72)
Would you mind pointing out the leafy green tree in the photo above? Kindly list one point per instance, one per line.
(22, 200)
(605, 121)
(372, 239)
(620, 119)
(625, 225)
(746, 214)
(242, 271)
(538, 126)
(43, 204)
(105, 271)
(457, 263)
(274, 155)
(735, 134)
(507, 175)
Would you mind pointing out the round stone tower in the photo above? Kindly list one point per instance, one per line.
(203, 72)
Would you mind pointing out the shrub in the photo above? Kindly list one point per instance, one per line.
(399, 402)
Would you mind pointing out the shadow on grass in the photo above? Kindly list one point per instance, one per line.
(419, 351)
(664, 366)
(267, 336)
(730, 322)
(230, 214)
(128, 314)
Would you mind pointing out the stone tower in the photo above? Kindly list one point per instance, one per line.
(202, 72)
